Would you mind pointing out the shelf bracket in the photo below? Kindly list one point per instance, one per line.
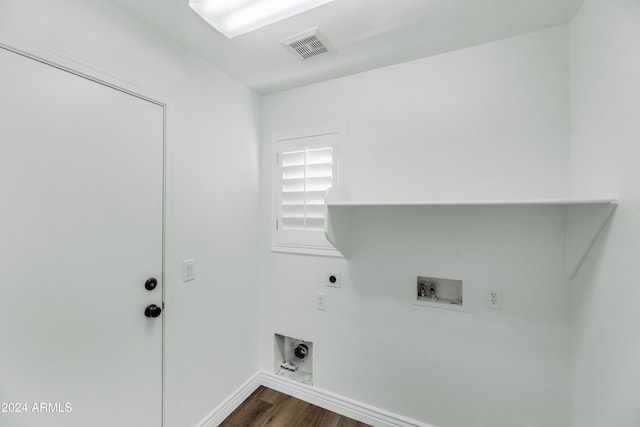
(585, 224)
(336, 226)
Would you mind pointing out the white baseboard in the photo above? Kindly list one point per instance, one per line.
(230, 404)
(336, 403)
(322, 398)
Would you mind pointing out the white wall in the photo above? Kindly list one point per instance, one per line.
(488, 122)
(212, 190)
(605, 70)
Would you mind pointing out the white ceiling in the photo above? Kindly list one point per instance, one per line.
(362, 34)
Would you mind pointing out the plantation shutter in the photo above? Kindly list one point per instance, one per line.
(306, 176)
(307, 166)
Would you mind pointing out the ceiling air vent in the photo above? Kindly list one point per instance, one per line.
(307, 44)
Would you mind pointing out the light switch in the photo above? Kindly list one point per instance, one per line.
(321, 301)
(188, 270)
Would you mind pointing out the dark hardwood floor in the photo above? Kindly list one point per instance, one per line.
(266, 407)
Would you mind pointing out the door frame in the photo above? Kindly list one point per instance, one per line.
(49, 56)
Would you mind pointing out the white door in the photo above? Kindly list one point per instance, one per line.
(81, 188)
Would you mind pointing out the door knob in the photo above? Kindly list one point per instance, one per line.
(152, 311)
(151, 284)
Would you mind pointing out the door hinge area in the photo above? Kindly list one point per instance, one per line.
(277, 224)
(277, 158)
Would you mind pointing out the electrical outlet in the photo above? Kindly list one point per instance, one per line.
(333, 279)
(494, 298)
(321, 301)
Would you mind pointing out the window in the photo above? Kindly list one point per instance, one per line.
(307, 165)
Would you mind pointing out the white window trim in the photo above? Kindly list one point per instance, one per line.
(339, 183)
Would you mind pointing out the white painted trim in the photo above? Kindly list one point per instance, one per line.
(223, 410)
(49, 55)
(336, 403)
(302, 250)
(321, 398)
(339, 182)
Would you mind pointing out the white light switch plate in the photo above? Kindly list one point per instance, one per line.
(188, 270)
(321, 301)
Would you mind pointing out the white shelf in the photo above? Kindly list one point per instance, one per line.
(338, 215)
(542, 202)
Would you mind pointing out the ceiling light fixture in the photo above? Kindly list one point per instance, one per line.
(235, 17)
